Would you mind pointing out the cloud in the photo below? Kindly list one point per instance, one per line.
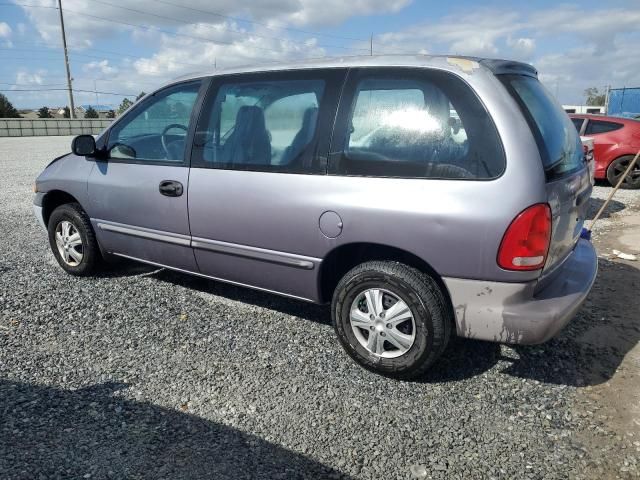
(522, 47)
(473, 33)
(189, 39)
(571, 47)
(26, 78)
(88, 21)
(101, 66)
(5, 30)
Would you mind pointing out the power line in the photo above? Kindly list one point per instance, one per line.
(167, 32)
(228, 17)
(262, 24)
(108, 52)
(39, 84)
(64, 90)
(226, 27)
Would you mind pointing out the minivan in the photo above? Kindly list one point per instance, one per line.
(419, 196)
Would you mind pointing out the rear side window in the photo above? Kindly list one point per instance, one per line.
(415, 124)
(556, 136)
(267, 125)
(599, 126)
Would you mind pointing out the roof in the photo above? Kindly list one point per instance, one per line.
(606, 118)
(451, 63)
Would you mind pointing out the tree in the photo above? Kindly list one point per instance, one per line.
(111, 114)
(140, 95)
(44, 113)
(594, 97)
(90, 113)
(67, 113)
(126, 103)
(7, 110)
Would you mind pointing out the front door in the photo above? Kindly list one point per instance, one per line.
(138, 195)
(258, 176)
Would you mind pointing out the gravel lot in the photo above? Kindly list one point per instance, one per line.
(144, 373)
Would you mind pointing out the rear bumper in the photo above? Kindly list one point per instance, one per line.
(518, 312)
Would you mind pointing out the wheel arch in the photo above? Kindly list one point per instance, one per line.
(52, 200)
(345, 257)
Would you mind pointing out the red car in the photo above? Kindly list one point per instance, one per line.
(616, 141)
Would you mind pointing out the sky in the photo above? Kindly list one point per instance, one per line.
(119, 48)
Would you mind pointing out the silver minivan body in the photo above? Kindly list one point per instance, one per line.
(288, 233)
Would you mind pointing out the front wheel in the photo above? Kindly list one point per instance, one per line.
(617, 168)
(73, 241)
(391, 318)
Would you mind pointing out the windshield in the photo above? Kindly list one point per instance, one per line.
(557, 139)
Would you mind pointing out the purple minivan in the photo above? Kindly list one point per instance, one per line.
(419, 196)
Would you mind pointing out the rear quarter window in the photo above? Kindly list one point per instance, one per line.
(558, 141)
(595, 127)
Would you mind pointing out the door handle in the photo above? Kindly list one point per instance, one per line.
(170, 188)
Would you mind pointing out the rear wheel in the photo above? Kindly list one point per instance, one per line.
(618, 167)
(391, 318)
(72, 240)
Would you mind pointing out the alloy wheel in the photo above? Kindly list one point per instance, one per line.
(69, 243)
(620, 167)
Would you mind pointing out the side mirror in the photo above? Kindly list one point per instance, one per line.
(84, 146)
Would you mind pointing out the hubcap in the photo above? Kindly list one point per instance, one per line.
(382, 323)
(69, 243)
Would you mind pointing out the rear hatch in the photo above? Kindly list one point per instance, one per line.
(568, 183)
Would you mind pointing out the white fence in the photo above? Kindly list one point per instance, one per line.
(24, 127)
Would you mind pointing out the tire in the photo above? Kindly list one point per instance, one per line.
(617, 168)
(430, 325)
(87, 257)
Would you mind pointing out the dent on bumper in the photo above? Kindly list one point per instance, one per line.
(516, 312)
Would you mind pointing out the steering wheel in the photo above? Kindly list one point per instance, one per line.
(163, 136)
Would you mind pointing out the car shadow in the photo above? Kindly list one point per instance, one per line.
(47, 432)
(596, 203)
(587, 352)
(296, 308)
(462, 359)
(116, 267)
(594, 344)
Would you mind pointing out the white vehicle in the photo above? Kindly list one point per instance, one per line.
(587, 145)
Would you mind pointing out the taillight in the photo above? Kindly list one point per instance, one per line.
(526, 242)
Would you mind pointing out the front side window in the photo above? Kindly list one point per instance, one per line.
(265, 125)
(156, 130)
(418, 125)
(595, 127)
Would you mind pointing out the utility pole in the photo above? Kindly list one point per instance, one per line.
(371, 45)
(66, 62)
(95, 90)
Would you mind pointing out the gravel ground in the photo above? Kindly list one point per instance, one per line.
(144, 373)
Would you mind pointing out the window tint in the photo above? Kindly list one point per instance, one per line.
(418, 124)
(156, 130)
(599, 126)
(577, 122)
(558, 142)
(268, 125)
